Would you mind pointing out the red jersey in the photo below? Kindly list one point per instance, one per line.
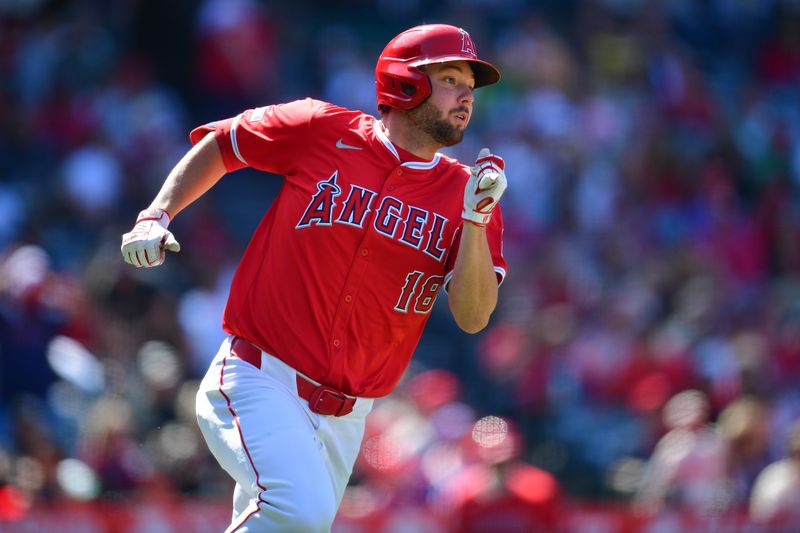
(340, 276)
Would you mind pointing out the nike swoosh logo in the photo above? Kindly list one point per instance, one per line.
(343, 146)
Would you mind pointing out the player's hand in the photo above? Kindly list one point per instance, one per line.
(146, 244)
(484, 188)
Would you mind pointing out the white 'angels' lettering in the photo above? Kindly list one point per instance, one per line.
(420, 229)
(388, 215)
(356, 206)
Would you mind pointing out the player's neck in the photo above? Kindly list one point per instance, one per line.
(402, 134)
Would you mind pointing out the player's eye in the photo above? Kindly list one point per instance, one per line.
(450, 80)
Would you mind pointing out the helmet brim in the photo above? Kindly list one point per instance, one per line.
(485, 73)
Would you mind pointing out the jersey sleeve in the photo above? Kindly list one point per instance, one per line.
(267, 138)
(494, 234)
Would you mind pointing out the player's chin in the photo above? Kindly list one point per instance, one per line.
(455, 137)
(445, 132)
(458, 128)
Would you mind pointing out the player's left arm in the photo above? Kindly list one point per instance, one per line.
(472, 289)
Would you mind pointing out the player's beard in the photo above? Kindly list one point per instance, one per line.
(429, 120)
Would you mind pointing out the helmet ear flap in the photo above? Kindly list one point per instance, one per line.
(402, 86)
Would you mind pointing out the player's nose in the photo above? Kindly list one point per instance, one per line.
(466, 96)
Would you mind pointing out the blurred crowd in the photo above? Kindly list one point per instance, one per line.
(646, 348)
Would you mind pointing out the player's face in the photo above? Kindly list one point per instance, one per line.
(445, 114)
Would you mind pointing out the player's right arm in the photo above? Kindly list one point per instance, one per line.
(202, 166)
(267, 138)
(194, 174)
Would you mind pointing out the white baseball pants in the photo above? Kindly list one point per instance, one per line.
(290, 465)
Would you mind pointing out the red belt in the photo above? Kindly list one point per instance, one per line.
(321, 399)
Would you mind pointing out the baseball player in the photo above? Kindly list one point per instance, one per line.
(337, 282)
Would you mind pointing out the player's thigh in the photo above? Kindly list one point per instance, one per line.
(262, 436)
(342, 440)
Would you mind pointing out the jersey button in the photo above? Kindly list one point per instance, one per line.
(390, 187)
(336, 343)
(348, 298)
(364, 252)
(399, 171)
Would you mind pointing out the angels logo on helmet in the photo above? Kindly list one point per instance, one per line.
(467, 46)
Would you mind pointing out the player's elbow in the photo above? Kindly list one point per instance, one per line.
(473, 327)
(471, 313)
(471, 322)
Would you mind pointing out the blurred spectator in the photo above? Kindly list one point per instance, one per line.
(235, 54)
(703, 468)
(501, 493)
(775, 499)
(687, 467)
(111, 449)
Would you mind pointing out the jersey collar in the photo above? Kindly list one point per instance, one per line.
(416, 165)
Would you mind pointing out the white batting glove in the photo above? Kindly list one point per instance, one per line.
(484, 188)
(146, 244)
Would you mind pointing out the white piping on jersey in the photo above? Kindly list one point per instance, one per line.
(384, 139)
(423, 165)
(502, 272)
(234, 144)
(416, 165)
(446, 282)
(449, 276)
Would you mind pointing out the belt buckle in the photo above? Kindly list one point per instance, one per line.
(319, 395)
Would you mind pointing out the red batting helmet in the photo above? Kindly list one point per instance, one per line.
(400, 83)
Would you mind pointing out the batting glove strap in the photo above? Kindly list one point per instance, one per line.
(146, 244)
(485, 186)
(157, 215)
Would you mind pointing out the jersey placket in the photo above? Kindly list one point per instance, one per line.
(357, 274)
(337, 345)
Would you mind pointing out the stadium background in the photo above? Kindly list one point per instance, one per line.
(653, 236)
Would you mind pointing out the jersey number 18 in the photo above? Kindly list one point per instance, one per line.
(425, 292)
